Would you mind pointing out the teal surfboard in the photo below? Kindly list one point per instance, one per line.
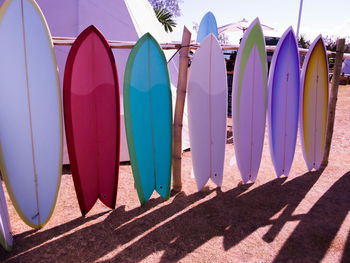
(148, 118)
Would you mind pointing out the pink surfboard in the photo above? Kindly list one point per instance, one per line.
(91, 112)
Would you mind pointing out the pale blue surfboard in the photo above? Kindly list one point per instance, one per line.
(208, 25)
(283, 102)
(148, 118)
(30, 112)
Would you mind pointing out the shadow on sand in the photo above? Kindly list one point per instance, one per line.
(234, 215)
(316, 231)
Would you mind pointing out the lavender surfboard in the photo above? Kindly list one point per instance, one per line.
(207, 98)
(282, 115)
(249, 101)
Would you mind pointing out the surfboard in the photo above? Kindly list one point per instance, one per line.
(207, 25)
(207, 111)
(249, 101)
(148, 118)
(283, 102)
(314, 104)
(30, 112)
(91, 112)
(6, 239)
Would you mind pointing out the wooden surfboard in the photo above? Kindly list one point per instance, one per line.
(283, 106)
(314, 104)
(207, 111)
(148, 118)
(249, 101)
(30, 112)
(91, 111)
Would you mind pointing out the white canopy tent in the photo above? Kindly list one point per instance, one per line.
(122, 20)
(240, 26)
(234, 31)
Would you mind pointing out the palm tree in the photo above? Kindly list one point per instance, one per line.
(165, 17)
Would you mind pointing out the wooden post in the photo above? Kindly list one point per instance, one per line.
(333, 99)
(179, 108)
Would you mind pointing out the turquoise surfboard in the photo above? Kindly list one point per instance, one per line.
(148, 118)
(208, 25)
(30, 112)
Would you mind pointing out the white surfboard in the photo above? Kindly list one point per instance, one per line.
(249, 101)
(6, 239)
(30, 112)
(207, 112)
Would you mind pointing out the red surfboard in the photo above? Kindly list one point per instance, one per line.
(92, 118)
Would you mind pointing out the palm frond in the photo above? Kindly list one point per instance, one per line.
(165, 18)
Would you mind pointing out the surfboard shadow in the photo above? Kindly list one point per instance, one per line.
(234, 215)
(346, 254)
(314, 234)
(94, 241)
(185, 223)
(26, 241)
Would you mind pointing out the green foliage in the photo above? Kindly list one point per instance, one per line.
(165, 17)
(330, 42)
(172, 6)
(347, 48)
(302, 42)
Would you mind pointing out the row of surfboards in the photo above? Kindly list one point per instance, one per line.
(285, 95)
(32, 126)
(31, 122)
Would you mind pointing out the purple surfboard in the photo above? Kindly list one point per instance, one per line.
(282, 116)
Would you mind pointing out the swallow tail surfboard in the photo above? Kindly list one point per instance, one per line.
(207, 112)
(91, 107)
(148, 118)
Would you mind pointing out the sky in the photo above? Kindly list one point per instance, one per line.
(330, 17)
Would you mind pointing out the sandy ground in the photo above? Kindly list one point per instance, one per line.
(302, 218)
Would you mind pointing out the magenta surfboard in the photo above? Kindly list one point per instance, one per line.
(91, 111)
